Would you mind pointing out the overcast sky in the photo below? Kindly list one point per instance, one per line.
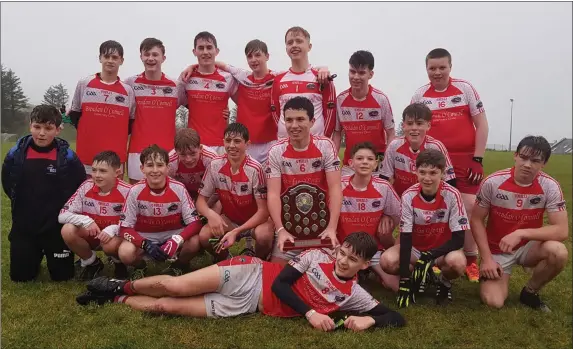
(506, 50)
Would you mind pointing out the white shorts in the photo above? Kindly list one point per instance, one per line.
(134, 167)
(240, 287)
(508, 260)
(88, 169)
(260, 151)
(158, 238)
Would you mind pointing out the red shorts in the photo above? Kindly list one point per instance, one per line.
(461, 164)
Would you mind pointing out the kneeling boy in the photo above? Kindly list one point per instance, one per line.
(96, 204)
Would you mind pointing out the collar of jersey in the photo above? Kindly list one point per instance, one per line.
(437, 200)
(226, 169)
(343, 286)
(97, 189)
(447, 87)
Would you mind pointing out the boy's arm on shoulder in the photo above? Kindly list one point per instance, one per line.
(77, 172)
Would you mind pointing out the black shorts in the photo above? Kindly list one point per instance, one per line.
(27, 252)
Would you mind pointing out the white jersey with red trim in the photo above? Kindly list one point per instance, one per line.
(190, 177)
(513, 207)
(89, 205)
(453, 111)
(365, 120)
(400, 162)
(362, 210)
(237, 192)
(157, 103)
(432, 223)
(318, 287)
(167, 212)
(289, 85)
(306, 166)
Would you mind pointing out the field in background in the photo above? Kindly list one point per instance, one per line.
(44, 314)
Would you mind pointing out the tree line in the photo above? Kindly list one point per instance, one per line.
(15, 104)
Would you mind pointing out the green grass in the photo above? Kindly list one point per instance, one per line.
(43, 314)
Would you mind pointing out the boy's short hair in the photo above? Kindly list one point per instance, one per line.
(362, 245)
(417, 111)
(46, 114)
(431, 157)
(205, 36)
(109, 157)
(299, 30)
(153, 152)
(300, 103)
(186, 138)
(536, 146)
(237, 129)
(361, 59)
(256, 45)
(439, 53)
(109, 47)
(149, 43)
(362, 145)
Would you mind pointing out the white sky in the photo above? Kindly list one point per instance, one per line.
(506, 50)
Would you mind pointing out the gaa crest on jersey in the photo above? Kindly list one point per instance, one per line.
(117, 208)
(373, 113)
(172, 207)
(120, 99)
(376, 204)
(463, 221)
(317, 164)
(167, 90)
(457, 99)
(220, 85)
(244, 187)
(310, 86)
(339, 298)
(535, 200)
(441, 214)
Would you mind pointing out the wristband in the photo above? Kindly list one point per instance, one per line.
(478, 159)
(309, 313)
(279, 229)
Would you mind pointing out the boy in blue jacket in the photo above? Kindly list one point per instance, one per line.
(39, 174)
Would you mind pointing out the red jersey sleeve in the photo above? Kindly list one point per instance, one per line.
(275, 102)
(329, 108)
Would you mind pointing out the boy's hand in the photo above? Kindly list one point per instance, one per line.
(186, 74)
(216, 224)
(93, 229)
(359, 323)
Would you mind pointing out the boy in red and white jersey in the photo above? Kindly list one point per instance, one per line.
(363, 113)
(239, 183)
(369, 204)
(189, 160)
(432, 226)
(460, 123)
(314, 284)
(96, 205)
(302, 158)
(302, 80)
(106, 106)
(158, 98)
(159, 218)
(399, 163)
(208, 91)
(514, 201)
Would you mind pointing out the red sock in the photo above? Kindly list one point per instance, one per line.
(120, 299)
(471, 259)
(128, 288)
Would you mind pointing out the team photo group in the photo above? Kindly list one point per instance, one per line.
(410, 208)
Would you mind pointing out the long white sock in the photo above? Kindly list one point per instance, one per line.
(86, 262)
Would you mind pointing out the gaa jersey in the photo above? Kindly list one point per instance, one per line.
(237, 192)
(105, 113)
(306, 166)
(362, 210)
(452, 114)
(148, 212)
(400, 162)
(157, 103)
(190, 177)
(254, 105)
(432, 223)
(88, 201)
(513, 207)
(207, 97)
(365, 120)
(318, 287)
(289, 85)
